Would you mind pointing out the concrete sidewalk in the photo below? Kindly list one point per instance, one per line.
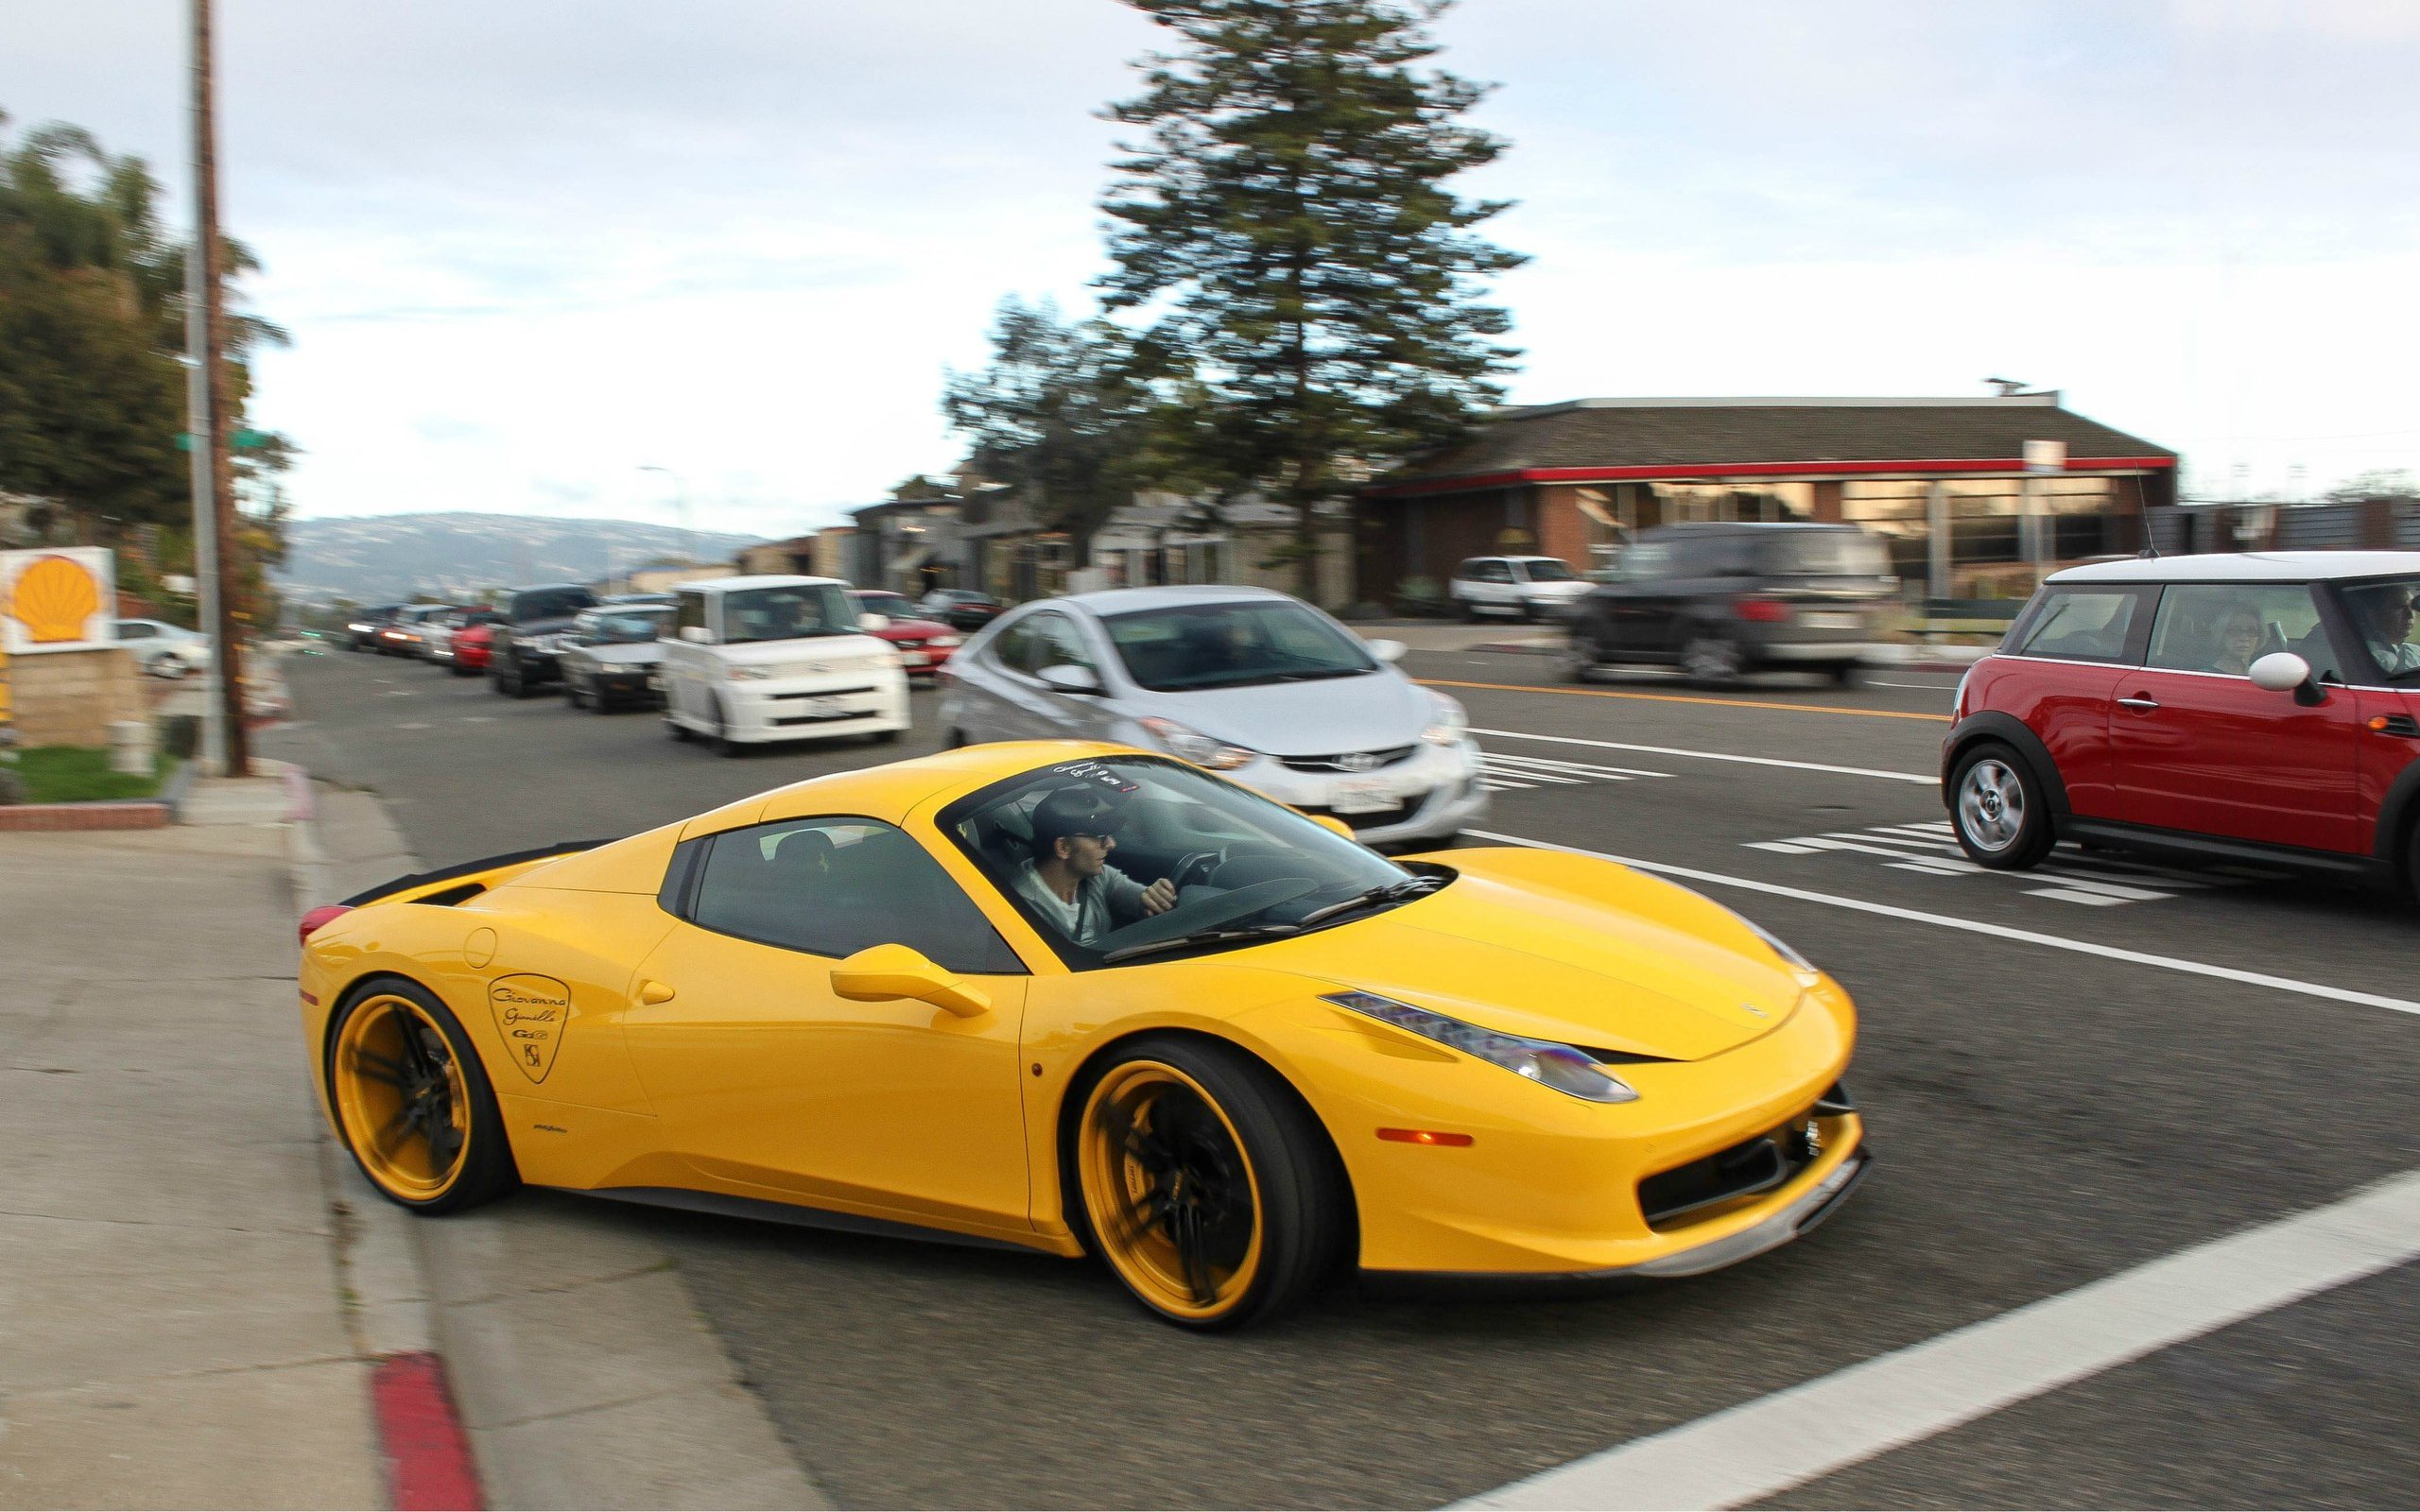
(173, 1323)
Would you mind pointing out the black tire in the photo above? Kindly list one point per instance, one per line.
(2007, 827)
(572, 694)
(1713, 661)
(953, 739)
(885, 737)
(506, 680)
(675, 729)
(462, 671)
(1847, 674)
(487, 1169)
(1470, 611)
(720, 742)
(1304, 1219)
(1580, 661)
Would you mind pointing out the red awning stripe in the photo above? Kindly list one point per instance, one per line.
(1756, 470)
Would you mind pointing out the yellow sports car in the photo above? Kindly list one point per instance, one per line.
(1077, 998)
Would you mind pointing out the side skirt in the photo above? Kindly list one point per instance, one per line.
(798, 1215)
(2367, 870)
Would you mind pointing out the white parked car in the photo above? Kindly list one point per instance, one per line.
(1525, 586)
(163, 649)
(774, 658)
(1242, 681)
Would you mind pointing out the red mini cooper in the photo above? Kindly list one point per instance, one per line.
(2263, 707)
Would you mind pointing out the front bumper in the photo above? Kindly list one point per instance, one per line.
(813, 708)
(1425, 795)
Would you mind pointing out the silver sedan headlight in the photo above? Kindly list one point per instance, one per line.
(1560, 1065)
(1449, 724)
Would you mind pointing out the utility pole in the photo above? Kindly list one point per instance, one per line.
(225, 749)
(679, 508)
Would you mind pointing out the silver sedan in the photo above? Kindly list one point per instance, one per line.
(1241, 680)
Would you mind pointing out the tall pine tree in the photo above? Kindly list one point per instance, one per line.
(1290, 212)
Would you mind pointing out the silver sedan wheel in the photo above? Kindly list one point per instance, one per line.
(1991, 805)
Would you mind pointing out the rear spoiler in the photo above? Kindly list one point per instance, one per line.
(429, 885)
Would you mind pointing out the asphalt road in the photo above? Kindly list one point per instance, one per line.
(2085, 1081)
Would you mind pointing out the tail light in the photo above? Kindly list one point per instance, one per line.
(1763, 611)
(318, 919)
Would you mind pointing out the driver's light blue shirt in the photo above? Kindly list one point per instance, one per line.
(1102, 901)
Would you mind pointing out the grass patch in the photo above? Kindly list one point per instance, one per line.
(79, 774)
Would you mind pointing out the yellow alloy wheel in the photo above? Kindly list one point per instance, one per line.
(401, 1097)
(1170, 1193)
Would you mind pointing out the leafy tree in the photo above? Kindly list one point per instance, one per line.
(1289, 215)
(92, 322)
(2393, 483)
(1064, 411)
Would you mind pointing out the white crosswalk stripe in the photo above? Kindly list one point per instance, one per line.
(2088, 880)
(1503, 772)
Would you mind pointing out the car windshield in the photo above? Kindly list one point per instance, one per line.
(893, 605)
(786, 613)
(1233, 645)
(1547, 570)
(551, 604)
(1135, 858)
(1826, 554)
(2383, 614)
(633, 626)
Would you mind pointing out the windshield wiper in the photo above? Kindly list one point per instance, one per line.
(1410, 887)
(1199, 936)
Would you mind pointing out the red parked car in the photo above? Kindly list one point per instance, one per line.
(2263, 707)
(471, 648)
(923, 645)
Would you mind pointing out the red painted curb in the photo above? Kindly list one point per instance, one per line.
(429, 1466)
(129, 814)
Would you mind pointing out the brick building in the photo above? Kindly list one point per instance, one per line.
(1944, 481)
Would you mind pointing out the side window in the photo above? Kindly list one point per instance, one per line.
(1061, 645)
(2084, 624)
(2225, 627)
(834, 887)
(135, 630)
(1493, 571)
(1018, 645)
(1468, 570)
(692, 614)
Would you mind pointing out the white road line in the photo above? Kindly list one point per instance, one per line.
(1497, 784)
(1783, 846)
(1927, 778)
(1973, 926)
(2069, 895)
(1765, 1446)
(1921, 842)
(1590, 768)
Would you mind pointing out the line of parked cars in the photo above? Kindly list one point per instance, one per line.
(1241, 680)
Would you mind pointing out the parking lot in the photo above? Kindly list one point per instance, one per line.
(2067, 1074)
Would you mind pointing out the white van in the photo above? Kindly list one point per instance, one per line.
(775, 657)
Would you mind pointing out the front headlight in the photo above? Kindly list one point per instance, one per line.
(1559, 1066)
(943, 640)
(1450, 723)
(742, 674)
(1188, 744)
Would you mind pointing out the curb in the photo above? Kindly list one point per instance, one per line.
(116, 813)
(424, 1447)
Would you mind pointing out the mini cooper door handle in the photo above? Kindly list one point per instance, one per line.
(654, 992)
(2140, 702)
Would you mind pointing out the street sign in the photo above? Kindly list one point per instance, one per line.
(241, 440)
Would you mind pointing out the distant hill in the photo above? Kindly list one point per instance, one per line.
(378, 558)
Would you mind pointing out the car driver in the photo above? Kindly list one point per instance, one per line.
(2385, 616)
(1068, 879)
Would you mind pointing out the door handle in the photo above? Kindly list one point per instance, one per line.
(654, 992)
(2140, 701)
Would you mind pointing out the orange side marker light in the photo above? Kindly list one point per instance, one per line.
(1425, 1136)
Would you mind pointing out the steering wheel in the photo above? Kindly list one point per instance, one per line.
(1207, 912)
(1198, 866)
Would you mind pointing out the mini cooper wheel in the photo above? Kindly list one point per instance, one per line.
(412, 1102)
(1998, 810)
(1206, 1189)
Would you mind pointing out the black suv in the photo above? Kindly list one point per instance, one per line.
(1717, 600)
(528, 632)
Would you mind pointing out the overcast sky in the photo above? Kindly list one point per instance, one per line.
(526, 247)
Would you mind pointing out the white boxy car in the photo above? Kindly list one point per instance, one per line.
(772, 658)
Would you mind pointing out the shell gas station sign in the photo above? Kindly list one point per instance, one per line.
(64, 599)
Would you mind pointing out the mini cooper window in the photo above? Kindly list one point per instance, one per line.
(2382, 615)
(2082, 624)
(834, 887)
(1135, 858)
(2225, 627)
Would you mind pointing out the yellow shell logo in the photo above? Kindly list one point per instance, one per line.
(55, 596)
